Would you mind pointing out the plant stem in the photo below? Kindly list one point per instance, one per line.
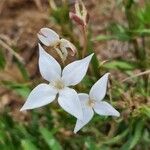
(84, 42)
(144, 57)
(147, 72)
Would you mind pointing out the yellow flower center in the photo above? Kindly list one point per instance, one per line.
(58, 84)
(91, 103)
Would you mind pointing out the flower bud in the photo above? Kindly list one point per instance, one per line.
(80, 16)
(76, 18)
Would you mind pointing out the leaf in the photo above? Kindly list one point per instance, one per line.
(50, 140)
(146, 136)
(120, 64)
(94, 61)
(2, 135)
(21, 89)
(145, 110)
(2, 60)
(137, 134)
(117, 138)
(28, 145)
(119, 32)
(134, 139)
(23, 70)
(90, 144)
(88, 81)
(61, 14)
(143, 14)
(141, 32)
(103, 37)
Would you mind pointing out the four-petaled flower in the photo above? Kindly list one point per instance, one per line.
(50, 38)
(93, 101)
(59, 81)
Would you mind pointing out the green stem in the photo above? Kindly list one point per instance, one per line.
(84, 42)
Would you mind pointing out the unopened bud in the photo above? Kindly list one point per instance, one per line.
(80, 16)
(76, 18)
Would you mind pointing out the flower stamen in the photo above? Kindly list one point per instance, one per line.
(91, 103)
(58, 84)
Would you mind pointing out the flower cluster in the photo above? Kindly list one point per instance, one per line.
(81, 106)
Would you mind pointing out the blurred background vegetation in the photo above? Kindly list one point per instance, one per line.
(118, 32)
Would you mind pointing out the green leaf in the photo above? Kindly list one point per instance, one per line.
(120, 64)
(117, 138)
(94, 61)
(119, 32)
(90, 144)
(28, 145)
(137, 134)
(50, 139)
(2, 60)
(23, 70)
(61, 14)
(103, 38)
(145, 110)
(141, 32)
(143, 14)
(2, 135)
(135, 138)
(21, 89)
(88, 81)
(146, 136)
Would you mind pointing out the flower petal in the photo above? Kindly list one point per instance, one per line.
(83, 97)
(75, 71)
(48, 37)
(98, 90)
(104, 108)
(66, 45)
(87, 116)
(63, 50)
(49, 67)
(41, 95)
(69, 101)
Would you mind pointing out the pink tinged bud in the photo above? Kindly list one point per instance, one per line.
(76, 18)
(87, 18)
(85, 14)
(81, 15)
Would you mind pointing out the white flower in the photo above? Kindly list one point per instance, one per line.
(59, 81)
(93, 102)
(50, 38)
